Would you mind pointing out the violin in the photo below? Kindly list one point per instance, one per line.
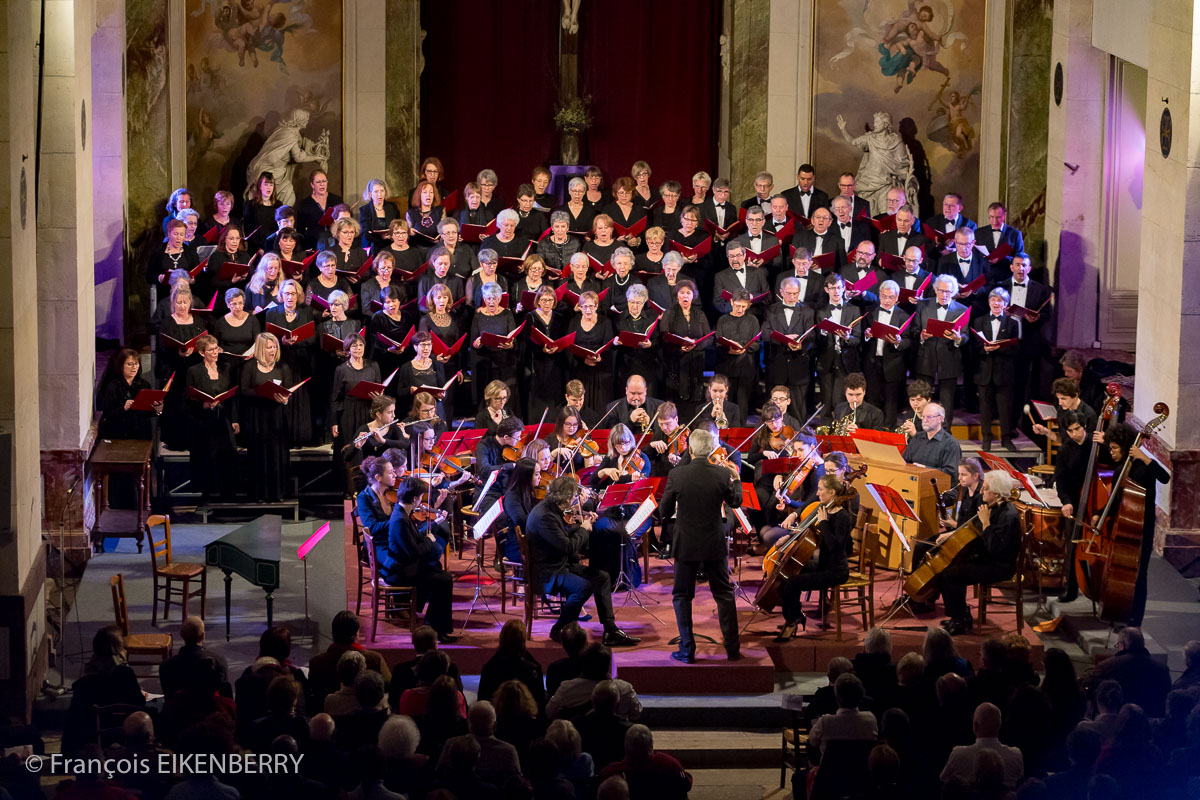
(633, 464)
(795, 480)
(512, 454)
(539, 488)
(677, 445)
(583, 445)
(450, 467)
(720, 457)
(423, 512)
(780, 441)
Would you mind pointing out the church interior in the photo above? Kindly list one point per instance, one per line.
(1059, 116)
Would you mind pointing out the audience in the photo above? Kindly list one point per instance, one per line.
(848, 722)
(1083, 748)
(281, 718)
(404, 674)
(368, 767)
(573, 639)
(512, 661)
(1109, 698)
(823, 700)
(404, 769)
(1131, 758)
(574, 697)
(498, 760)
(517, 718)
(443, 716)
(360, 726)
(876, 669)
(1190, 679)
(602, 731)
(273, 661)
(343, 701)
(651, 774)
(178, 671)
(573, 764)
(107, 680)
(965, 762)
(1144, 681)
(323, 677)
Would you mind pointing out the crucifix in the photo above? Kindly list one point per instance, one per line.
(568, 52)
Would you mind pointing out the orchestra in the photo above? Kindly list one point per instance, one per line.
(650, 338)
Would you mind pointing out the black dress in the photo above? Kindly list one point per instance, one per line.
(212, 452)
(645, 268)
(597, 380)
(266, 433)
(372, 221)
(348, 413)
(170, 362)
(558, 256)
(162, 263)
(410, 377)
(368, 295)
(425, 223)
(115, 421)
(258, 222)
(463, 261)
(601, 252)
(642, 361)
(408, 260)
(547, 375)
(685, 371)
(582, 222)
(742, 370)
(512, 249)
(617, 287)
(636, 212)
(302, 409)
(236, 339)
(494, 363)
(349, 262)
(317, 289)
(309, 213)
(476, 298)
(378, 352)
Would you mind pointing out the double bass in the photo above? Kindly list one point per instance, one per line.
(1091, 500)
(787, 557)
(1113, 546)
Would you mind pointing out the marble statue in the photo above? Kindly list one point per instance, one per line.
(886, 162)
(284, 149)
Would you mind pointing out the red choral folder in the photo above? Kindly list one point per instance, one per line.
(972, 287)
(542, 340)
(881, 330)
(196, 270)
(940, 238)
(572, 299)
(786, 339)
(327, 218)
(178, 345)
(232, 271)
(411, 276)
(890, 262)
(727, 296)
(936, 327)
(631, 339)
(864, 283)
(364, 390)
(440, 348)
(207, 311)
(885, 223)
(277, 391)
(995, 256)
(583, 352)
(913, 295)
(204, 397)
(293, 269)
(450, 203)
(698, 251)
(213, 234)
(323, 304)
(474, 234)
(684, 341)
(602, 269)
(391, 344)
(1026, 314)
(305, 331)
(730, 344)
(723, 233)
(829, 326)
(331, 343)
(636, 229)
(1000, 342)
(492, 340)
(825, 261)
(147, 398)
(786, 231)
(439, 391)
(770, 254)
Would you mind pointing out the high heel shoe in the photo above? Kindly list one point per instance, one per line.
(789, 628)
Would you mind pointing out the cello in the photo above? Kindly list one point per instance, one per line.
(1090, 501)
(787, 557)
(1116, 544)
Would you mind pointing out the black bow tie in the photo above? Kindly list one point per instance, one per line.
(995, 318)
(1017, 284)
(786, 307)
(844, 225)
(754, 236)
(942, 307)
(806, 194)
(719, 205)
(738, 271)
(964, 261)
(835, 308)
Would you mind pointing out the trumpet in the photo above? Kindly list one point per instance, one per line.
(720, 418)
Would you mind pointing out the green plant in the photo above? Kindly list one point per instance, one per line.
(574, 116)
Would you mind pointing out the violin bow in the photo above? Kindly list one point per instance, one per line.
(683, 428)
(585, 431)
(446, 449)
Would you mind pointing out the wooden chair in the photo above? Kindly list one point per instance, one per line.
(795, 737)
(534, 600)
(382, 592)
(354, 529)
(1015, 584)
(166, 573)
(1046, 470)
(155, 645)
(109, 722)
(859, 588)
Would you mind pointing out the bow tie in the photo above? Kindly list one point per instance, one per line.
(844, 225)
(835, 308)
(806, 194)
(738, 271)
(1015, 284)
(754, 236)
(995, 318)
(786, 307)
(964, 261)
(942, 307)
(719, 205)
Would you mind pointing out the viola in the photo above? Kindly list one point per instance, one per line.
(424, 513)
(781, 440)
(795, 480)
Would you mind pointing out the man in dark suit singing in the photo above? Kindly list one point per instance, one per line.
(804, 198)
(697, 491)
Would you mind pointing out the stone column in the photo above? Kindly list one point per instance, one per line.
(403, 102)
(106, 136)
(749, 32)
(789, 91)
(66, 312)
(22, 558)
(363, 119)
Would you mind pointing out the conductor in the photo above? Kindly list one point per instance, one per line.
(698, 490)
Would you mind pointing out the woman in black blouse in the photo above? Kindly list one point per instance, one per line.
(494, 409)
(666, 216)
(310, 210)
(237, 329)
(350, 256)
(662, 287)
(463, 261)
(619, 282)
(490, 363)
(118, 388)
(533, 280)
(644, 195)
(518, 502)
(603, 244)
(339, 326)
(564, 442)
(223, 203)
(593, 331)
(579, 280)
(263, 287)
(230, 247)
(685, 363)
(431, 171)
(474, 210)
(392, 323)
(649, 263)
(439, 273)
(642, 360)
(425, 213)
(408, 256)
(739, 365)
(346, 412)
(489, 263)
(557, 248)
(383, 266)
(264, 421)
(376, 213)
(690, 234)
(325, 284)
(211, 450)
(287, 245)
(505, 242)
(595, 196)
(182, 327)
(383, 434)
(423, 370)
(546, 373)
(174, 255)
(624, 210)
(579, 212)
(258, 216)
(297, 355)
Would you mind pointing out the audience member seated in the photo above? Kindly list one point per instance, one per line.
(990, 781)
(433, 665)
(405, 770)
(177, 671)
(1183, 765)
(88, 784)
(991, 684)
(323, 762)
(886, 775)
(1131, 758)
(913, 695)
(602, 731)
(573, 639)
(205, 739)
(963, 763)
(613, 788)
(823, 700)
(1067, 701)
(1083, 748)
(443, 717)
(574, 697)
(286, 783)
(573, 764)
(322, 668)
(848, 723)
(198, 700)
(941, 656)
(1109, 698)
(498, 760)
(1144, 681)
(458, 776)
(517, 718)
(138, 742)
(1170, 733)
(650, 774)
(1025, 728)
(360, 727)
(950, 725)
(404, 673)
(896, 730)
(274, 660)
(107, 680)
(368, 768)
(1018, 662)
(876, 669)
(1190, 679)
(281, 719)
(512, 661)
(350, 664)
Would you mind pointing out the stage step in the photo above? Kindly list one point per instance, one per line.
(720, 749)
(706, 712)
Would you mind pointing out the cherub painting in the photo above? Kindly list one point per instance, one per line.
(949, 125)
(249, 26)
(908, 38)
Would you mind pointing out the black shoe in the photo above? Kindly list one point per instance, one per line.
(682, 657)
(958, 627)
(733, 655)
(447, 638)
(556, 634)
(986, 445)
(945, 623)
(1069, 596)
(619, 638)
(1008, 444)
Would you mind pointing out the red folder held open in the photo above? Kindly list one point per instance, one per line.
(440, 348)
(757, 259)
(881, 330)
(730, 344)
(631, 339)
(636, 229)
(392, 344)
(277, 391)
(178, 345)
(724, 233)
(885, 223)
(488, 339)
(439, 391)
(305, 331)
(702, 249)
(365, 390)
(937, 327)
(204, 397)
(972, 287)
(542, 340)
(684, 341)
(913, 295)
(474, 234)
(148, 398)
(232, 271)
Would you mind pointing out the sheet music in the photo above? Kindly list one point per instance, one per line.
(642, 513)
(484, 523)
(743, 521)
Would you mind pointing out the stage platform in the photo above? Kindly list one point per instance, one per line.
(649, 666)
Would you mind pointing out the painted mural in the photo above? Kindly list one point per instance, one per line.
(896, 97)
(264, 93)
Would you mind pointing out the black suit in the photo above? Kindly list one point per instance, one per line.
(836, 357)
(949, 265)
(939, 361)
(812, 288)
(886, 373)
(787, 367)
(869, 298)
(995, 376)
(1034, 348)
(708, 210)
(554, 548)
(938, 223)
(796, 204)
(986, 236)
(768, 241)
(889, 242)
(862, 207)
(899, 276)
(861, 230)
(696, 492)
(757, 283)
(750, 202)
(624, 410)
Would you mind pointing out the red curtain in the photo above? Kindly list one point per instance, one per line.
(652, 69)
(489, 88)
